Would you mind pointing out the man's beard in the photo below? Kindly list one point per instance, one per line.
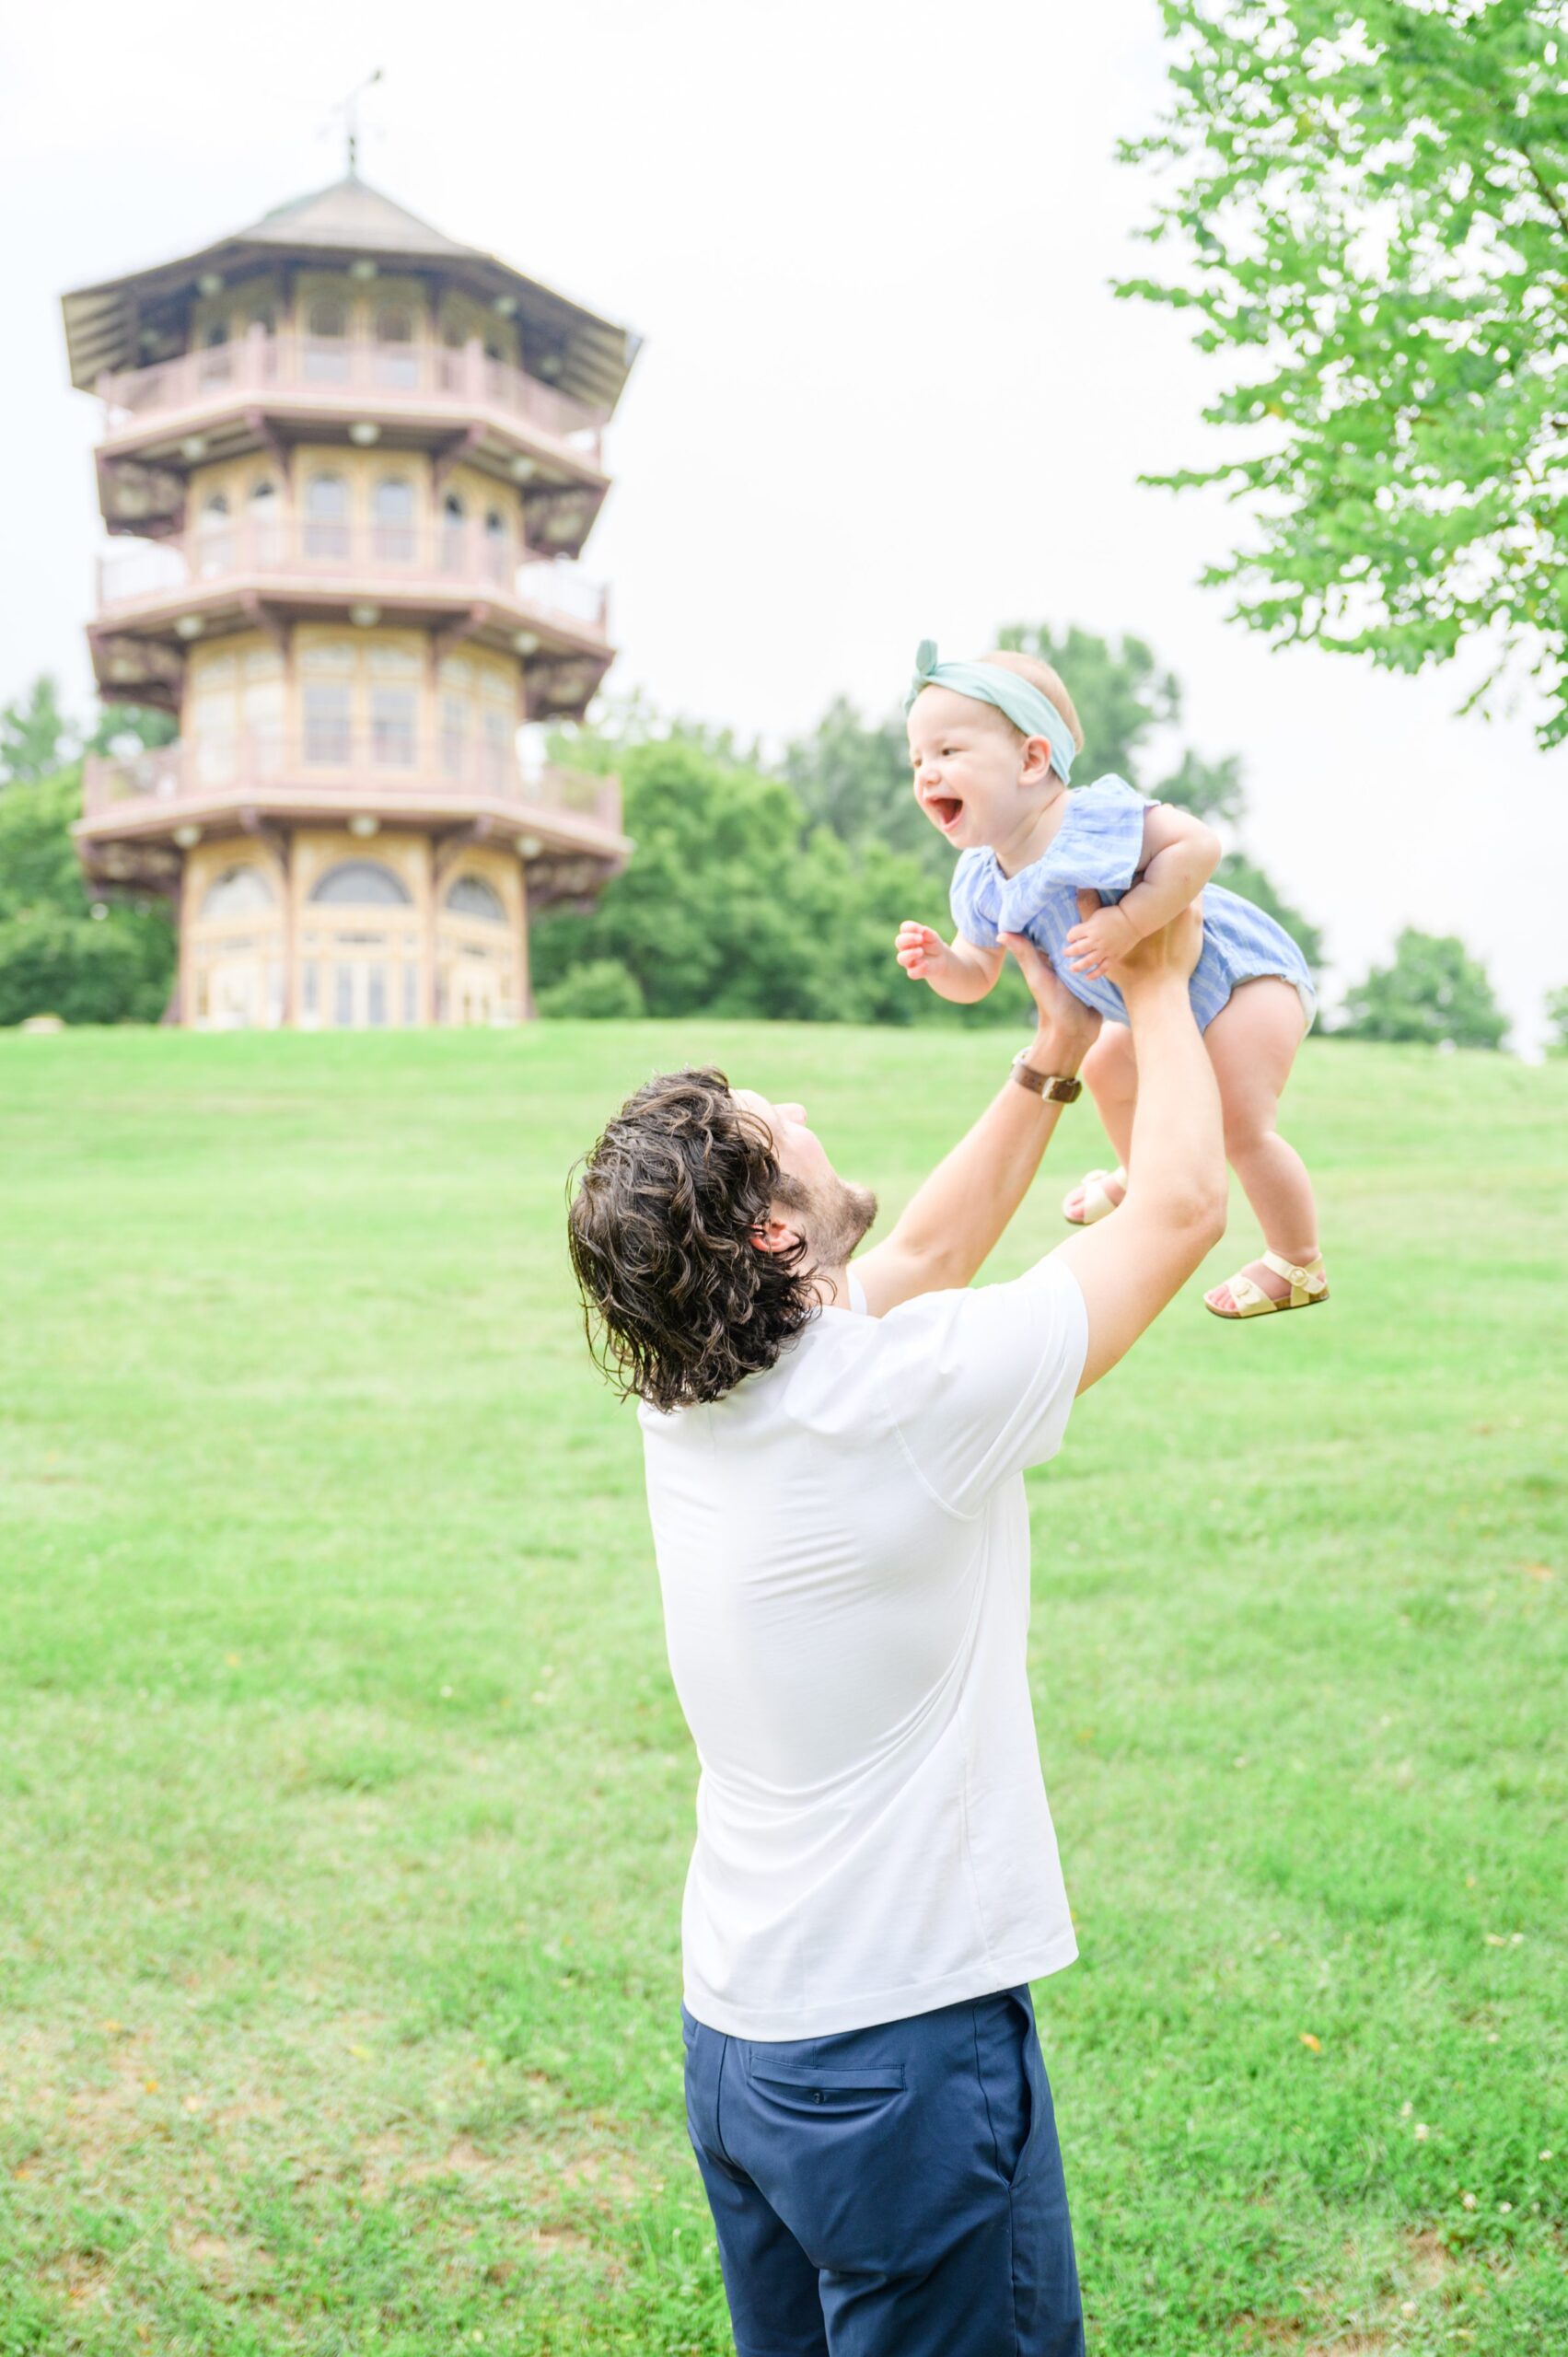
(832, 1217)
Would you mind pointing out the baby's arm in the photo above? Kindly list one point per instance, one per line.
(1179, 855)
(963, 972)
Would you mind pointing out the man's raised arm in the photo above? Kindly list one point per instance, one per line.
(951, 1223)
(1129, 1265)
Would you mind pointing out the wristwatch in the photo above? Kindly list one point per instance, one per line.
(1052, 1085)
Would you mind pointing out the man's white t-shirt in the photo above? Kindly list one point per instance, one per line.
(844, 1550)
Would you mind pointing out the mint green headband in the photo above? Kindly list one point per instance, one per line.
(1024, 704)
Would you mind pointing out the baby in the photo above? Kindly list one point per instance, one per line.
(992, 745)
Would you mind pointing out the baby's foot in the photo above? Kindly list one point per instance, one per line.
(1220, 1297)
(1268, 1280)
(1075, 1205)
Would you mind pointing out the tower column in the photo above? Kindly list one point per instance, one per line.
(526, 1009)
(432, 893)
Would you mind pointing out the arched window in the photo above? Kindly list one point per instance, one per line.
(326, 349)
(496, 539)
(397, 362)
(361, 883)
(471, 895)
(392, 508)
(238, 891)
(326, 516)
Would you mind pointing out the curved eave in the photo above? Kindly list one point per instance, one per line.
(239, 601)
(103, 323)
(240, 810)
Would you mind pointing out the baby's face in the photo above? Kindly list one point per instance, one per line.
(968, 764)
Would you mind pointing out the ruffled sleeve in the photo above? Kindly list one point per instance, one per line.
(1099, 848)
(974, 896)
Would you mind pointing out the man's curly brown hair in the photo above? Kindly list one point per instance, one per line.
(678, 1300)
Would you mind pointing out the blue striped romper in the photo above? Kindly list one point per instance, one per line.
(1099, 846)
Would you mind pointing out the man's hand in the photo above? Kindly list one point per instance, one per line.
(1130, 1266)
(953, 1221)
(1068, 1028)
(1097, 939)
(1171, 949)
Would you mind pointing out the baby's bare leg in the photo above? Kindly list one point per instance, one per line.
(1110, 1075)
(1252, 1044)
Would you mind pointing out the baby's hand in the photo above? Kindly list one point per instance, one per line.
(921, 953)
(1096, 942)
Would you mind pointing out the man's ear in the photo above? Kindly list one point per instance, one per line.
(774, 1236)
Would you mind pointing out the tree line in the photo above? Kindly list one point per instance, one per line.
(762, 886)
(773, 887)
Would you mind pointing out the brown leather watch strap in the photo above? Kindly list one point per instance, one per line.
(1056, 1088)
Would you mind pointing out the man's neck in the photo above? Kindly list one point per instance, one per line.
(831, 1287)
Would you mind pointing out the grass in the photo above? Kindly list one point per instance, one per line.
(345, 1801)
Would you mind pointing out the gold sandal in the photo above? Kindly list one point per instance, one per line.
(1098, 1204)
(1307, 1285)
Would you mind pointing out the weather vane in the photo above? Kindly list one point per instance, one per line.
(349, 110)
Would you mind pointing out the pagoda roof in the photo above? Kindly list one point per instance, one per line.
(105, 325)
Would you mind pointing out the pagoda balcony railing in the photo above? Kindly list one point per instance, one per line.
(393, 558)
(381, 375)
(382, 766)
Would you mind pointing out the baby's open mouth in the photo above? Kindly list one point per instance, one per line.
(944, 808)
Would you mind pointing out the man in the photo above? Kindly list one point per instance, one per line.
(836, 1455)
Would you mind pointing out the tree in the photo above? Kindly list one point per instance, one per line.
(1432, 991)
(131, 727)
(84, 971)
(854, 777)
(38, 738)
(776, 889)
(1557, 1018)
(1370, 216)
(600, 987)
(60, 954)
(737, 905)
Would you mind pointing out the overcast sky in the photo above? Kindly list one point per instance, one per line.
(885, 391)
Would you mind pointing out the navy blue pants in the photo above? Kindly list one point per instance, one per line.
(889, 2192)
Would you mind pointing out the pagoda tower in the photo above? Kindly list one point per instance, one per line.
(352, 462)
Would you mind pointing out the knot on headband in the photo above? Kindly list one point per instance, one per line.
(1027, 708)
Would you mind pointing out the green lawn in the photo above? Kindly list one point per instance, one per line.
(345, 1801)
